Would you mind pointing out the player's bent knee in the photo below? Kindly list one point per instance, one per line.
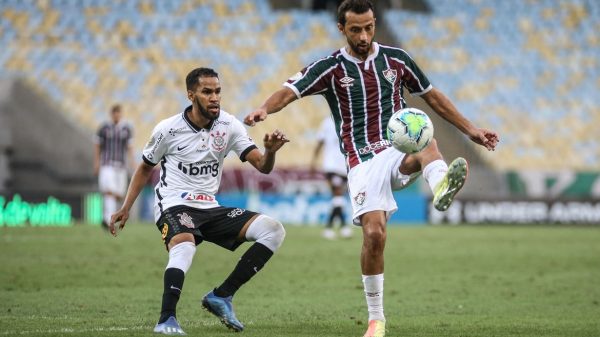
(181, 256)
(266, 231)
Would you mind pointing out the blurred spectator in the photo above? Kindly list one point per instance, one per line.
(112, 157)
(334, 167)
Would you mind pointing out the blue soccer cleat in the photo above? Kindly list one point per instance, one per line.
(223, 309)
(169, 327)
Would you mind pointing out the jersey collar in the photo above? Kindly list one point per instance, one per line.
(191, 124)
(369, 59)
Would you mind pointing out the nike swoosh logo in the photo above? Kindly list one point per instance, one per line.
(179, 148)
(175, 288)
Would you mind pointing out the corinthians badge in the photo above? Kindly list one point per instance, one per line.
(218, 142)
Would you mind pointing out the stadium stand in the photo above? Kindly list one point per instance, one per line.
(529, 69)
(89, 54)
(531, 74)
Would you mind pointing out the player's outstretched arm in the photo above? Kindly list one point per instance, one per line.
(139, 179)
(264, 162)
(279, 100)
(446, 109)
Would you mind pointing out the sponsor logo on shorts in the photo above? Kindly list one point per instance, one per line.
(234, 213)
(186, 220)
(359, 199)
(196, 196)
(165, 231)
(382, 144)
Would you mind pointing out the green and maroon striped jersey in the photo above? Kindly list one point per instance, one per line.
(362, 95)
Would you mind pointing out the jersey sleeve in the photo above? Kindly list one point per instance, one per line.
(313, 79)
(241, 142)
(156, 147)
(413, 77)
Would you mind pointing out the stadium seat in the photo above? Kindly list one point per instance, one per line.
(521, 61)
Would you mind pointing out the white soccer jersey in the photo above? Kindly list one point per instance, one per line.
(191, 159)
(333, 159)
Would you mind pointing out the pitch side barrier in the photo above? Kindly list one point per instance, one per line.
(541, 211)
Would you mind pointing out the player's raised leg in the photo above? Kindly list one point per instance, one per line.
(444, 180)
(454, 179)
(268, 235)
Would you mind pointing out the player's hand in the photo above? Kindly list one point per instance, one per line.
(255, 116)
(486, 138)
(119, 218)
(274, 141)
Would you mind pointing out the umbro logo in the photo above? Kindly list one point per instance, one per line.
(347, 82)
(179, 148)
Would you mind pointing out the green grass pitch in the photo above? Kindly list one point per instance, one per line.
(439, 281)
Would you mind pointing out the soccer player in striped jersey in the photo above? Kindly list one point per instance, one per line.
(364, 83)
(191, 147)
(112, 157)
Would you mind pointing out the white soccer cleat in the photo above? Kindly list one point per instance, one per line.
(169, 327)
(452, 183)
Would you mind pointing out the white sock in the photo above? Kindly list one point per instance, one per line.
(110, 207)
(434, 172)
(374, 294)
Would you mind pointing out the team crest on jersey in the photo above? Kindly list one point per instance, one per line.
(186, 220)
(390, 75)
(347, 81)
(359, 199)
(218, 142)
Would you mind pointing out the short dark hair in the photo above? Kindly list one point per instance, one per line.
(355, 6)
(191, 81)
(115, 108)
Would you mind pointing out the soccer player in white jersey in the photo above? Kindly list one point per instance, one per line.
(363, 83)
(112, 157)
(334, 167)
(190, 148)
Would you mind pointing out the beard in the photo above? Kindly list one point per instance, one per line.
(205, 113)
(360, 49)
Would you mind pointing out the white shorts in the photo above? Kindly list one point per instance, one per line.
(112, 179)
(371, 183)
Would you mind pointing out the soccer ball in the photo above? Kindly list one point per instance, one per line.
(410, 130)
